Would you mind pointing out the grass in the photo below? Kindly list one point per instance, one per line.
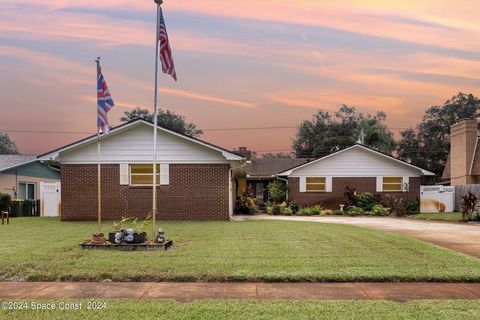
(260, 310)
(45, 249)
(440, 216)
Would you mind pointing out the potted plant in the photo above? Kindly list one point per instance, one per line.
(116, 236)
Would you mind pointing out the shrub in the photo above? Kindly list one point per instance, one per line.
(397, 207)
(277, 191)
(279, 210)
(4, 201)
(327, 212)
(379, 210)
(468, 204)
(304, 212)
(366, 201)
(294, 206)
(349, 195)
(245, 204)
(412, 206)
(354, 211)
(316, 210)
(339, 212)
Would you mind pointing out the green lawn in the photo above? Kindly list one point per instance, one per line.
(440, 216)
(46, 249)
(260, 310)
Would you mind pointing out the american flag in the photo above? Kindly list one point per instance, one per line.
(104, 102)
(168, 66)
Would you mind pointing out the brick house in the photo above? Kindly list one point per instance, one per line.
(194, 177)
(323, 181)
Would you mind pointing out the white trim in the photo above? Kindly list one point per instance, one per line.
(289, 172)
(227, 155)
(473, 157)
(379, 184)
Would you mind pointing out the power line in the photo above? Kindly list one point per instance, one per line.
(204, 130)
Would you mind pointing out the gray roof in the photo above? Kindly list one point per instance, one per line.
(7, 161)
(266, 167)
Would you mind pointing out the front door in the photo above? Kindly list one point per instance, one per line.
(259, 192)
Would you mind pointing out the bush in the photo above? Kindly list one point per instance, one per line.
(397, 207)
(277, 191)
(279, 210)
(367, 200)
(327, 212)
(310, 211)
(412, 206)
(339, 212)
(245, 204)
(4, 201)
(304, 212)
(379, 210)
(469, 204)
(355, 211)
(295, 207)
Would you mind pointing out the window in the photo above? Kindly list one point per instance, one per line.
(392, 183)
(316, 184)
(142, 174)
(26, 191)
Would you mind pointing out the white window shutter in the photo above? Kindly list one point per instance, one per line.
(406, 184)
(303, 184)
(164, 174)
(379, 184)
(124, 174)
(328, 184)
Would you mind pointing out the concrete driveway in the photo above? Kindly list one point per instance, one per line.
(456, 236)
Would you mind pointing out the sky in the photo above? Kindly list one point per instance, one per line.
(240, 64)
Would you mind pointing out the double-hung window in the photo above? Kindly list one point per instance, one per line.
(142, 174)
(316, 184)
(392, 184)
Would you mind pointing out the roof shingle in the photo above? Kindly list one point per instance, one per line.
(7, 161)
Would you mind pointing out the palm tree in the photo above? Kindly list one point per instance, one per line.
(375, 135)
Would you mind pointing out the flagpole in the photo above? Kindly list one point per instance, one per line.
(155, 123)
(99, 172)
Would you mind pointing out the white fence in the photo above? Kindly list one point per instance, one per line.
(437, 199)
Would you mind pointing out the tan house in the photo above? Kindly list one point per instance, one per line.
(463, 163)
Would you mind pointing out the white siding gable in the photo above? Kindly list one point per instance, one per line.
(135, 146)
(356, 162)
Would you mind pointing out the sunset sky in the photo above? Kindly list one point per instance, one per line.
(249, 63)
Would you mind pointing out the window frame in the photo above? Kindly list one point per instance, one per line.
(391, 183)
(26, 183)
(324, 183)
(130, 182)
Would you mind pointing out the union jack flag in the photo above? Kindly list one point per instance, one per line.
(168, 66)
(104, 102)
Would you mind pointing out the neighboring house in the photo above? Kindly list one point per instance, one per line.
(255, 176)
(21, 176)
(323, 181)
(195, 177)
(463, 163)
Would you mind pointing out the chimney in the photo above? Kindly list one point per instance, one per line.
(463, 138)
(244, 152)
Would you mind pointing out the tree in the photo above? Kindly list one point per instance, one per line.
(279, 155)
(327, 133)
(7, 146)
(167, 119)
(428, 145)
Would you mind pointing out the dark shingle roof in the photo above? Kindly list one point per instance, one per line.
(265, 167)
(7, 161)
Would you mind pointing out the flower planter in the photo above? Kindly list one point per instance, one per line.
(139, 238)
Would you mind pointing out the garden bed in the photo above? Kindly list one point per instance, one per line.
(127, 247)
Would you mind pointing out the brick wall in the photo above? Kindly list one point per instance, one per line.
(332, 200)
(196, 192)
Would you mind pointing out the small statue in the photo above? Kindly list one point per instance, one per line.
(160, 236)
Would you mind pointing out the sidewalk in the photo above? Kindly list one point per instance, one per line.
(188, 291)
